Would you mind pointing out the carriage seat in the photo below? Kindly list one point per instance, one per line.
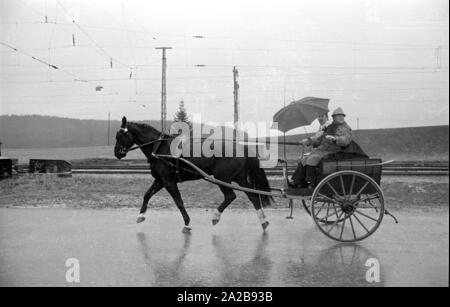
(369, 166)
(352, 151)
(353, 158)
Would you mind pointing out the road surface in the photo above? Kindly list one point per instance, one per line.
(114, 251)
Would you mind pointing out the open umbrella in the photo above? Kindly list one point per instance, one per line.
(300, 113)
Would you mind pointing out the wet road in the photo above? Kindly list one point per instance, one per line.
(114, 251)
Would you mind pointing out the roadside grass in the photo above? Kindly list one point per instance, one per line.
(126, 191)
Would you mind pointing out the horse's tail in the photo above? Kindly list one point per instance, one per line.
(258, 179)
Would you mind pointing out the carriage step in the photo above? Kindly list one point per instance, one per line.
(299, 191)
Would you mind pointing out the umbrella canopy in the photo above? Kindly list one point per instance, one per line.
(300, 113)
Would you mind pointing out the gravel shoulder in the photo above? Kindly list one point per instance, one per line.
(126, 191)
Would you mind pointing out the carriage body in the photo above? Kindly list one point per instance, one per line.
(370, 167)
(347, 203)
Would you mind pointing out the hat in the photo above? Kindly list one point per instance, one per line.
(338, 111)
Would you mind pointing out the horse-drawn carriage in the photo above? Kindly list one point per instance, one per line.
(346, 203)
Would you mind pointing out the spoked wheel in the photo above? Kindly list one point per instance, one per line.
(347, 206)
(327, 220)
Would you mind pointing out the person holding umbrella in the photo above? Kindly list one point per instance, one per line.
(311, 141)
(331, 140)
(315, 139)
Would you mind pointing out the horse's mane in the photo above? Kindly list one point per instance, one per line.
(146, 127)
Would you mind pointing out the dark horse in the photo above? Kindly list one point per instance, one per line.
(244, 171)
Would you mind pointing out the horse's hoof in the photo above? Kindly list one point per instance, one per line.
(265, 225)
(186, 229)
(214, 222)
(140, 219)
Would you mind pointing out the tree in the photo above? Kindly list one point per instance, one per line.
(181, 114)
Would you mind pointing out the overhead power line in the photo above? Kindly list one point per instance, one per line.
(252, 49)
(246, 92)
(218, 102)
(430, 68)
(244, 76)
(90, 37)
(33, 9)
(29, 55)
(213, 37)
(42, 61)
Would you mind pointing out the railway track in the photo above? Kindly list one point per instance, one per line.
(395, 169)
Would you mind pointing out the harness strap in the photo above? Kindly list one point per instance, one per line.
(155, 147)
(159, 140)
(172, 165)
(177, 170)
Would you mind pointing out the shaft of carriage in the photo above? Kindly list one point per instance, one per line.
(347, 204)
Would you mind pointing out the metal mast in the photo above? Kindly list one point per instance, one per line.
(163, 89)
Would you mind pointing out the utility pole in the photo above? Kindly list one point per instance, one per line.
(236, 99)
(109, 125)
(163, 89)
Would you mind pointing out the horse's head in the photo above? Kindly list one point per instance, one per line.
(124, 140)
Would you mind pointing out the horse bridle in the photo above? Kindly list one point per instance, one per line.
(160, 139)
(154, 155)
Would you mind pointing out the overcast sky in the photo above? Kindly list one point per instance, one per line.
(384, 61)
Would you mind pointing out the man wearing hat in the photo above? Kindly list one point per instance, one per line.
(336, 136)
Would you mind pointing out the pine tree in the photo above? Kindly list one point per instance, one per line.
(181, 114)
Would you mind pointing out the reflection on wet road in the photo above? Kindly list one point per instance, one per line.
(160, 268)
(113, 250)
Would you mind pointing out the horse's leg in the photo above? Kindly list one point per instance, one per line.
(154, 188)
(254, 198)
(172, 188)
(256, 201)
(229, 197)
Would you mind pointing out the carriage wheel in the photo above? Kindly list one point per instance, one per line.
(347, 206)
(328, 220)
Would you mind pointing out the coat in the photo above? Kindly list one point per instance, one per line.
(315, 139)
(342, 133)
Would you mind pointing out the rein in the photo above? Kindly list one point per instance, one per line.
(161, 138)
(148, 143)
(202, 139)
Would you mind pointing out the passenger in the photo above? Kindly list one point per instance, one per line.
(335, 136)
(315, 139)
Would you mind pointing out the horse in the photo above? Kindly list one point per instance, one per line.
(245, 171)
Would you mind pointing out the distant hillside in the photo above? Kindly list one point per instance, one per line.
(421, 143)
(34, 131)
